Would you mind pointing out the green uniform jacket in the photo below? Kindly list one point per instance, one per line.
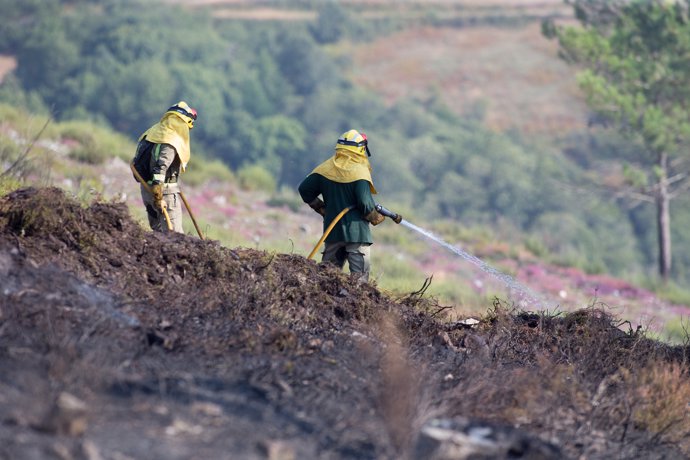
(352, 227)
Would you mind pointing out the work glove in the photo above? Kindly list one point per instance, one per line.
(374, 217)
(319, 206)
(157, 192)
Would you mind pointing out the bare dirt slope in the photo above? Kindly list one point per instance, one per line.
(7, 65)
(118, 343)
(511, 75)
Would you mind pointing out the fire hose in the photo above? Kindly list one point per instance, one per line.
(328, 230)
(397, 218)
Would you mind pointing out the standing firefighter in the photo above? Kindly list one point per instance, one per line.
(163, 151)
(344, 181)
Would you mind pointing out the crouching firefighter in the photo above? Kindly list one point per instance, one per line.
(162, 153)
(344, 182)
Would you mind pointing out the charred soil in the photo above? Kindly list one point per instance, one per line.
(116, 342)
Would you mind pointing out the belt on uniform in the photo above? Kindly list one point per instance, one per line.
(171, 187)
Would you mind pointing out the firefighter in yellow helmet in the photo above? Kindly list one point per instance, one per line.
(345, 180)
(163, 152)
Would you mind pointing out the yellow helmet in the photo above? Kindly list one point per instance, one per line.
(353, 141)
(184, 111)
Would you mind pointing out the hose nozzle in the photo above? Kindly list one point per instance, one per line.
(397, 218)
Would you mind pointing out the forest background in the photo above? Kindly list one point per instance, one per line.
(459, 147)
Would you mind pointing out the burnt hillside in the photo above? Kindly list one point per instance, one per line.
(116, 342)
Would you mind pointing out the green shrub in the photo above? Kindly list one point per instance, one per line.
(286, 197)
(535, 246)
(12, 115)
(29, 125)
(256, 177)
(96, 144)
(17, 164)
(394, 236)
(673, 293)
(9, 152)
(395, 274)
(88, 191)
(202, 170)
(8, 184)
(676, 331)
(451, 230)
(79, 176)
(460, 294)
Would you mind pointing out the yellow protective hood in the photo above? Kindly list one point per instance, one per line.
(174, 130)
(345, 167)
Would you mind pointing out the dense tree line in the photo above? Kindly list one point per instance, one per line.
(270, 94)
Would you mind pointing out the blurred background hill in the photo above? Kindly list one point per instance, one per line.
(478, 132)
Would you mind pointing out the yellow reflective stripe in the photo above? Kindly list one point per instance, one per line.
(159, 177)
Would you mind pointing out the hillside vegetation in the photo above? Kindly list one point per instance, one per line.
(273, 95)
(263, 89)
(482, 129)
